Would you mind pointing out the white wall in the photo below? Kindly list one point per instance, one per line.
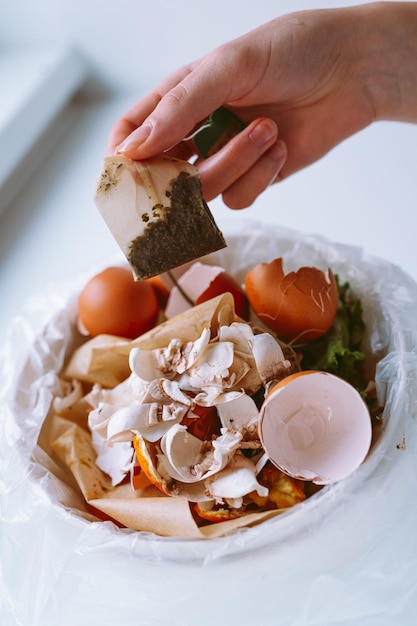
(133, 43)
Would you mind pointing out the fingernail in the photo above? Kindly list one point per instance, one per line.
(135, 139)
(263, 132)
(278, 151)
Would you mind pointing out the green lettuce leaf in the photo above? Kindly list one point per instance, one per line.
(339, 350)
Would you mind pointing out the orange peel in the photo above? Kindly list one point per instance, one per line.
(145, 460)
(215, 515)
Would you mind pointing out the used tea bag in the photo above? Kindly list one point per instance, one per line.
(156, 212)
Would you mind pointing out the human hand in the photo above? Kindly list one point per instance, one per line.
(303, 83)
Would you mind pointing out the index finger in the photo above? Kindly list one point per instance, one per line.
(165, 117)
(135, 116)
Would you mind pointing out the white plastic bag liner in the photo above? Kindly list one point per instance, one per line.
(347, 555)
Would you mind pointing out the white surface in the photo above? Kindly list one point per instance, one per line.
(39, 83)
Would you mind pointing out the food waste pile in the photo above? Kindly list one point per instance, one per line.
(195, 404)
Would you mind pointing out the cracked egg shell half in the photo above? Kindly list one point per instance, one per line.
(201, 282)
(298, 306)
(315, 426)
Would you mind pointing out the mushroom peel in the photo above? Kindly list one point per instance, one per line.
(189, 460)
(315, 426)
(116, 460)
(234, 481)
(297, 306)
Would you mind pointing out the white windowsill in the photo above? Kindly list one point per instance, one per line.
(36, 86)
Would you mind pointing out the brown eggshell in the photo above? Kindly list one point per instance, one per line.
(315, 426)
(297, 306)
(113, 303)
